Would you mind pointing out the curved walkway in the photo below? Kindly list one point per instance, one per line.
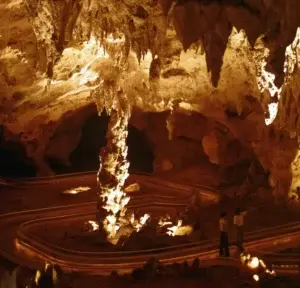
(16, 238)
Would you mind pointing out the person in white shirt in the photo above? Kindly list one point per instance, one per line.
(224, 245)
(238, 221)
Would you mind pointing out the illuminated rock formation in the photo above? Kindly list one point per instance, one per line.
(232, 61)
(113, 173)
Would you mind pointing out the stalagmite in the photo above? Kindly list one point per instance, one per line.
(113, 173)
(113, 170)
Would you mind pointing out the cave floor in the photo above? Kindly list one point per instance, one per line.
(261, 214)
(70, 236)
(19, 198)
(38, 196)
(214, 277)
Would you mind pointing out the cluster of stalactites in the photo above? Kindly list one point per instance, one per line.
(108, 97)
(292, 55)
(266, 80)
(289, 104)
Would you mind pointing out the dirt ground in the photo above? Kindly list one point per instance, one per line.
(259, 216)
(69, 235)
(21, 198)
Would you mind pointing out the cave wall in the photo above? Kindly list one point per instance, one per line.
(170, 154)
(179, 141)
(223, 149)
(274, 148)
(162, 142)
(76, 143)
(85, 156)
(67, 136)
(140, 153)
(14, 161)
(52, 63)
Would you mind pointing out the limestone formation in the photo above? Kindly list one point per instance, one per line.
(233, 61)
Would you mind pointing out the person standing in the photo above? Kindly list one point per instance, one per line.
(224, 245)
(238, 221)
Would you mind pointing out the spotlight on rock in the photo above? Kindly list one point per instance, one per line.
(75, 191)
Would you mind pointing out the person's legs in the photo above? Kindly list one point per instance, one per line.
(221, 247)
(226, 245)
(240, 237)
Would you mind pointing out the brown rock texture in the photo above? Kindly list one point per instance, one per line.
(213, 61)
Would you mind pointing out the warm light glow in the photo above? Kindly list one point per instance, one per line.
(75, 191)
(186, 106)
(114, 198)
(110, 39)
(115, 205)
(91, 47)
(273, 110)
(175, 230)
(146, 62)
(254, 263)
(293, 193)
(292, 56)
(256, 277)
(94, 225)
(164, 221)
(37, 277)
(270, 272)
(262, 263)
(266, 80)
(134, 187)
(138, 224)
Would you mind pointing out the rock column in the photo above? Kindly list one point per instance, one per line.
(113, 172)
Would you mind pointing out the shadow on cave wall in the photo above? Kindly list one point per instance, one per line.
(14, 161)
(85, 156)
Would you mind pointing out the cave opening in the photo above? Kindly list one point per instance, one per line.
(201, 150)
(140, 154)
(85, 157)
(14, 161)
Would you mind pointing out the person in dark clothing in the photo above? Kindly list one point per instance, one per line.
(238, 221)
(45, 280)
(224, 245)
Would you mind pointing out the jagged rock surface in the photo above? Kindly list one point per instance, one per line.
(186, 55)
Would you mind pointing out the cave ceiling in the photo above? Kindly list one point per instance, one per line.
(210, 56)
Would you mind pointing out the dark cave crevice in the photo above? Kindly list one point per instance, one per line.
(140, 154)
(85, 156)
(14, 162)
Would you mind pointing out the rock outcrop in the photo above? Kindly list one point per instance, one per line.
(235, 62)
